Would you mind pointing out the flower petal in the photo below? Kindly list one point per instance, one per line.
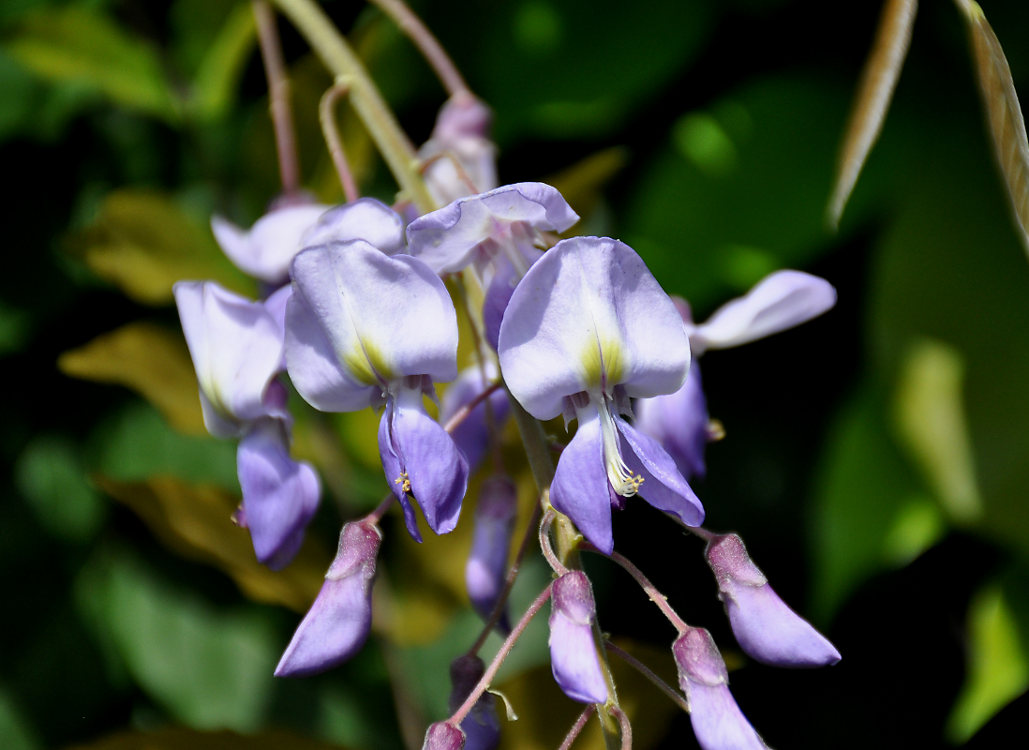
(717, 721)
(337, 624)
(279, 494)
(236, 347)
(486, 569)
(364, 219)
(779, 301)
(589, 315)
(573, 652)
(266, 250)
(765, 627)
(679, 421)
(384, 317)
(428, 459)
(580, 488)
(446, 239)
(663, 486)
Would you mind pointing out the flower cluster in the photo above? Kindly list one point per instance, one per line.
(359, 315)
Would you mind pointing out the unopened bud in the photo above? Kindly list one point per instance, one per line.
(573, 652)
(443, 736)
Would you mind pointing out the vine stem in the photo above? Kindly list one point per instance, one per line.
(505, 649)
(337, 55)
(335, 141)
(655, 596)
(278, 96)
(644, 670)
(426, 43)
(577, 727)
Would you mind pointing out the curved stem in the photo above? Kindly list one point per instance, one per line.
(644, 670)
(278, 96)
(426, 43)
(334, 141)
(336, 54)
(577, 727)
(505, 649)
(655, 596)
(545, 547)
(462, 414)
(623, 722)
(380, 510)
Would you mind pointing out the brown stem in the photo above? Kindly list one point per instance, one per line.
(278, 96)
(335, 141)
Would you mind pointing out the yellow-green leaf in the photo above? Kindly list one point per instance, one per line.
(150, 360)
(78, 45)
(183, 738)
(195, 521)
(1007, 127)
(998, 665)
(216, 79)
(878, 81)
(930, 419)
(144, 242)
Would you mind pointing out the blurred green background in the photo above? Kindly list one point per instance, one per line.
(875, 462)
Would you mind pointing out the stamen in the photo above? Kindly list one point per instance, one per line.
(404, 481)
(624, 481)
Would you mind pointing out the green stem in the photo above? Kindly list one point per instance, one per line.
(337, 55)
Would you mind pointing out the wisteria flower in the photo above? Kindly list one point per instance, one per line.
(461, 158)
(573, 652)
(679, 420)
(337, 625)
(588, 328)
(237, 350)
(366, 329)
(266, 249)
(765, 627)
(495, 232)
(717, 720)
(363, 219)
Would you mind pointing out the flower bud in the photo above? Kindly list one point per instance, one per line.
(573, 652)
(443, 736)
(717, 721)
(481, 726)
(765, 627)
(487, 563)
(338, 622)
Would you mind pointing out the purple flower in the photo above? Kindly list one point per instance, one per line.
(481, 726)
(366, 329)
(364, 219)
(472, 435)
(679, 421)
(237, 351)
(497, 233)
(266, 249)
(443, 736)
(717, 721)
(491, 541)
(573, 652)
(765, 627)
(463, 159)
(588, 328)
(337, 625)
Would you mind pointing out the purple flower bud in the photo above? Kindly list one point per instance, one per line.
(765, 627)
(717, 721)
(491, 541)
(573, 652)
(266, 249)
(443, 736)
(337, 624)
(481, 726)
(460, 144)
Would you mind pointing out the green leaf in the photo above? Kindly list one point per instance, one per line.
(869, 512)
(998, 662)
(150, 360)
(144, 242)
(215, 82)
(15, 730)
(931, 422)
(184, 738)
(210, 667)
(50, 474)
(75, 44)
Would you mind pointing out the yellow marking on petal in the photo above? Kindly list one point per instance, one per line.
(602, 364)
(404, 481)
(367, 364)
